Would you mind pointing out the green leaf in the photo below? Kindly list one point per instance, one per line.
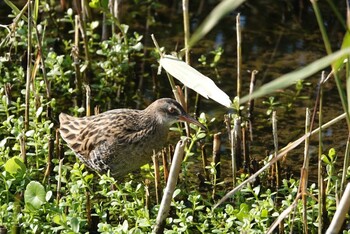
(325, 159)
(345, 44)
(15, 166)
(35, 194)
(75, 224)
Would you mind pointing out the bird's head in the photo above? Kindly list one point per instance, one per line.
(169, 111)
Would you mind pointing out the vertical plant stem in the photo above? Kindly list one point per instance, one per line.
(251, 104)
(28, 77)
(88, 99)
(186, 20)
(233, 157)
(216, 153)
(341, 212)
(147, 194)
(76, 59)
(305, 171)
(205, 162)
(239, 55)
(170, 187)
(88, 209)
(170, 78)
(245, 152)
(319, 169)
(238, 141)
(59, 181)
(216, 161)
(165, 165)
(82, 27)
(156, 176)
(49, 161)
(275, 143)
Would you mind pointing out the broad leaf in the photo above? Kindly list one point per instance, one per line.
(193, 79)
(35, 194)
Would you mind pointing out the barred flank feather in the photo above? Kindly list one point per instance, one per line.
(121, 140)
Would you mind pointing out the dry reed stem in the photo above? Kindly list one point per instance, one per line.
(276, 166)
(170, 187)
(251, 104)
(305, 171)
(156, 176)
(165, 165)
(88, 99)
(320, 181)
(340, 213)
(216, 160)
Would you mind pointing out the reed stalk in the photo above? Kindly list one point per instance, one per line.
(88, 99)
(28, 75)
(76, 60)
(320, 150)
(233, 157)
(186, 21)
(239, 55)
(275, 143)
(347, 150)
(165, 165)
(156, 176)
(170, 187)
(340, 213)
(251, 104)
(216, 161)
(305, 170)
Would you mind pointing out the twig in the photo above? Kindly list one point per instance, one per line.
(340, 213)
(170, 187)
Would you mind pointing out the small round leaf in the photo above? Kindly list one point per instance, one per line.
(35, 194)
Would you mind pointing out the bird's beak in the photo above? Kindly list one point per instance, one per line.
(189, 119)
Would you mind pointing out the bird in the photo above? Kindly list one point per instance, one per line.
(122, 140)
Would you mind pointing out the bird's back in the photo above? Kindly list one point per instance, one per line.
(118, 140)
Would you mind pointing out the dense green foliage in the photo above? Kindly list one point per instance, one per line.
(51, 192)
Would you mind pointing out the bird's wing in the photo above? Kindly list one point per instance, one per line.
(116, 127)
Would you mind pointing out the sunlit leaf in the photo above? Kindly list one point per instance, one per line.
(39, 111)
(345, 44)
(292, 77)
(35, 194)
(15, 166)
(30, 133)
(193, 79)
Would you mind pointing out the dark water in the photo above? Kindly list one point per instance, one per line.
(277, 37)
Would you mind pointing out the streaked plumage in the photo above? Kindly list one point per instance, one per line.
(122, 140)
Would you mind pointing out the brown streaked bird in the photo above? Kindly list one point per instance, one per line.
(122, 140)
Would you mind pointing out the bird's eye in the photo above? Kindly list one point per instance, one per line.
(171, 110)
